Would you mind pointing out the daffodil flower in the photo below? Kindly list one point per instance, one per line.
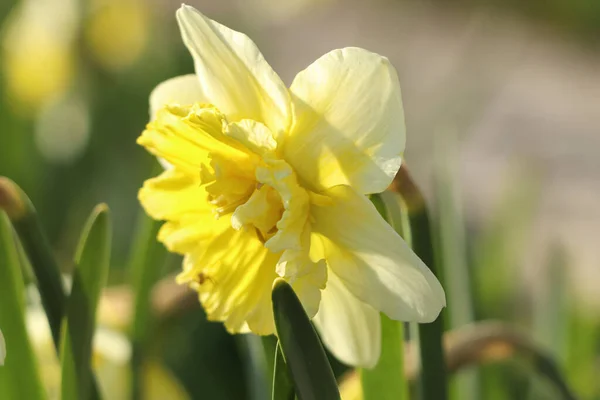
(2, 349)
(264, 181)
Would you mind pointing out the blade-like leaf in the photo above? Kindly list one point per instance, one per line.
(304, 354)
(283, 388)
(147, 259)
(92, 260)
(451, 238)
(24, 218)
(19, 378)
(386, 380)
(434, 379)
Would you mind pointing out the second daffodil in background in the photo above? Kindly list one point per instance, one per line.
(262, 181)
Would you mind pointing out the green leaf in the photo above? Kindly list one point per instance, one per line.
(304, 354)
(19, 378)
(147, 259)
(283, 388)
(92, 259)
(24, 218)
(452, 249)
(257, 375)
(386, 381)
(434, 379)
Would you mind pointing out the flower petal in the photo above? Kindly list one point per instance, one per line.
(373, 261)
(350, 329)
(307, 278)
(348, 121)
(233, 273)
(182, 90)
(190, 136)
(173, 194)
(233, 74)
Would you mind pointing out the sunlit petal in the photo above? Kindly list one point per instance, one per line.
(348, 122)
(233, 73)
(350, 329)
(172, 194)
(373, 261)
(233, 273)
(307, 278)
(182, 90)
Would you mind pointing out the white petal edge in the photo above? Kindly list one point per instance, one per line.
(350, 329)
(373, 261)
(348, 120)
(232, 72)
(182, 90)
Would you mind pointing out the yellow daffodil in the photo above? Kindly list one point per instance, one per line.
(264, 181)
(2, 349)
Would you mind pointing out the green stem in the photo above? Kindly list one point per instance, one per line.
(434, 380)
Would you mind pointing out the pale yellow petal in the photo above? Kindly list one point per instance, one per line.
(348, 122)
(186, 233)
(262, 211)
(373, 261)
(306, 277)
(349, 328)
(189, 137)
(254, 135)
(233, 73)
(280, 176)
(233, 273)
(182, 90)
(173, 194)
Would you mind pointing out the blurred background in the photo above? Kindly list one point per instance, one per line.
(502, 103)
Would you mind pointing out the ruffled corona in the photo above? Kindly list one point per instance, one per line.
(235, 210)
(263, 181)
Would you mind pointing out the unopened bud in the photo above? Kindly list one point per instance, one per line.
(12, 200)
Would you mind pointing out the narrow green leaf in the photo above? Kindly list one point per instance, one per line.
(434, 380)
(24, 218)
(283, 387)
(257, 376)
(270, 344)
(304, 354)
(147, 259)
(92, 260)
(386, 380)
(19, 378)
(452, 251)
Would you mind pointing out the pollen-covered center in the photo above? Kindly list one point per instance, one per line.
(243, 176)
